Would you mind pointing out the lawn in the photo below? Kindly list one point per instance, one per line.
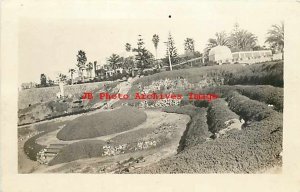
(102, 123)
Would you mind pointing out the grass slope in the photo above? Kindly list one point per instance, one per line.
(103, 123)
(79, 150)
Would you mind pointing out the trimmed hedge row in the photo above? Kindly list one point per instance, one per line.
(264, 93)
(197, 129)
(247, 151)
(196, 132)
(269, 73)
(217, 114)
(248, 109)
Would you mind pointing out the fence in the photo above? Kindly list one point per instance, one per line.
(190, 63)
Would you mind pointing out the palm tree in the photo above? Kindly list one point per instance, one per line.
(113, 60)
(89, 68)
(241, 40)
(72, 71)
(155, 41)
(276, 37)
(220, 39)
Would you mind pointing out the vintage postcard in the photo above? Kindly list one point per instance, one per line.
(145, 87)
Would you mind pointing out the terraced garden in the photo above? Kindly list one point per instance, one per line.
(241, 132)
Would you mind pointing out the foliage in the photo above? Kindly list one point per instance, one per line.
(189, 45)
(128, 63)
(144, 58)
(81, 60)
(50, 82)
(128, 47)
(114, 60)
(62, 77)
(217, 114)
(171, 51)
(276, 37)
(43, 80)
(72, 71)
(221, 39)
(155, 40)
(89, 68)
(242, 40)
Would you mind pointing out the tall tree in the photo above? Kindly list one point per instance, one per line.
(276, 37)
(189, 45)
(113, 61)
(242, 40)
(72, 71)
(89, 68)
(143, 57)
(220, 39)
(155, 40)
(43, 80)
(127, 47)
(81, 60)
(172, 50)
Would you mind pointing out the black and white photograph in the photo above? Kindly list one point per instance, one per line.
(171, 93)
(149, 95)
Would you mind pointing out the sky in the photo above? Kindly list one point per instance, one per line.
(51, 33)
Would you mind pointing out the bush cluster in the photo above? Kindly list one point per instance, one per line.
(217, 114)
(248, 109)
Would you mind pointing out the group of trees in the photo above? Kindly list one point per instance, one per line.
(243, 40)
(45, 81)
(237, 40)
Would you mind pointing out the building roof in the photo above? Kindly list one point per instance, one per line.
(220, 53)
(220, 50)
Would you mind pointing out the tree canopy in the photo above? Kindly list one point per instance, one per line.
(275, 37)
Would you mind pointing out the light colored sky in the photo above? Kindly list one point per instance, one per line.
(50, 34)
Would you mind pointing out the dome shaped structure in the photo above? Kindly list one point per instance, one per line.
(220, 54)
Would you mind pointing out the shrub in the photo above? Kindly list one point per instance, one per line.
(248, 109)
(201, 103)
(217, 114)
(248, 151)
(196, 131)
(264, 93)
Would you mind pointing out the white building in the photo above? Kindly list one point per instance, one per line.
(251, 57)
(220, 55)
